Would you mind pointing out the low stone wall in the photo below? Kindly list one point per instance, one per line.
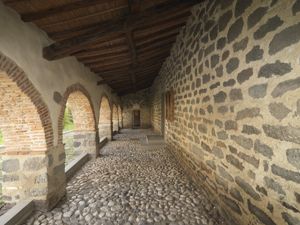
(105, 130)
(76, 164)
(77, 142)
(18, 214)
(20, 171)
(70, 151)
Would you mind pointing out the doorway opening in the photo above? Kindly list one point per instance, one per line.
(136, 119)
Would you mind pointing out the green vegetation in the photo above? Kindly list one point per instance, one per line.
(68, 120)
(1, 139)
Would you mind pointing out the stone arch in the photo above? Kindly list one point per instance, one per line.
(120, 117)
(115, 118)
(84, 135)
(105, 121)
(28, 136)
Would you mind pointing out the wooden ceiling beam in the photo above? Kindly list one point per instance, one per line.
(60, 35)
(132, 48)
(74, 5)
(108, 64)
(108, 41)
(128, 66)
(158, 27)
(101, 52)
(101, 82)
(155, 52)
(61, 49)
(125, 69)
(118, 80)
(79, 30)
(125, 73)
(122, 72)
(133, 7)
(127, 91)
(127, 62)
(158, 36)
(110, 68)
(158, 44)
(105, 58)
(66, 47)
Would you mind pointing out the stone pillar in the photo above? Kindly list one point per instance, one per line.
(39, 176)
(56, 176)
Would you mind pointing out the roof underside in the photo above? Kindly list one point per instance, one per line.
(123, 41)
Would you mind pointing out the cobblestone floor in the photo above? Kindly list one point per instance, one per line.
(131, 183)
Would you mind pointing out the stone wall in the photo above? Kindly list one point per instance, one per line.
(234, 69)
(137, 101)
(76, 142)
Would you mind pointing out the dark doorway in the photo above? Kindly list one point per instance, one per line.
(136, 119)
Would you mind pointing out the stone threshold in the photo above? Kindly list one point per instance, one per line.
(18, 214)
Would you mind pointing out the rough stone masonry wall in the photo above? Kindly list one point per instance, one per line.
(137, 101)
(235, 73)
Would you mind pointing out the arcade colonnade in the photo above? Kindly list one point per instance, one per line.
(33, 165)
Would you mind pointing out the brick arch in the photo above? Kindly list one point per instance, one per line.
(72, 89)
(115, 120)
(84, 137)
(105, 117)
(18, 76)
(105, 96)
(28, 135)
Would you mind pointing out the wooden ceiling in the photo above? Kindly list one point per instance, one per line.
(123, 41)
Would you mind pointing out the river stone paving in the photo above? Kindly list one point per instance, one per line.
(132, 183)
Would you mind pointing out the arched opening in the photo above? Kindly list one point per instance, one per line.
(79, 134)
(68, 136)
(104, 125)
(115, 119)
(23, 145)
(120, 117)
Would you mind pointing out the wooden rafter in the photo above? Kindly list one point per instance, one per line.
(74, 5)
(66, 47)
(124, 42)
(101, 82)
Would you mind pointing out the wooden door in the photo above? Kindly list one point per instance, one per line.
(136, 119)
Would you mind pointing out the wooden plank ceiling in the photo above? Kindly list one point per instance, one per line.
(123, 41)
